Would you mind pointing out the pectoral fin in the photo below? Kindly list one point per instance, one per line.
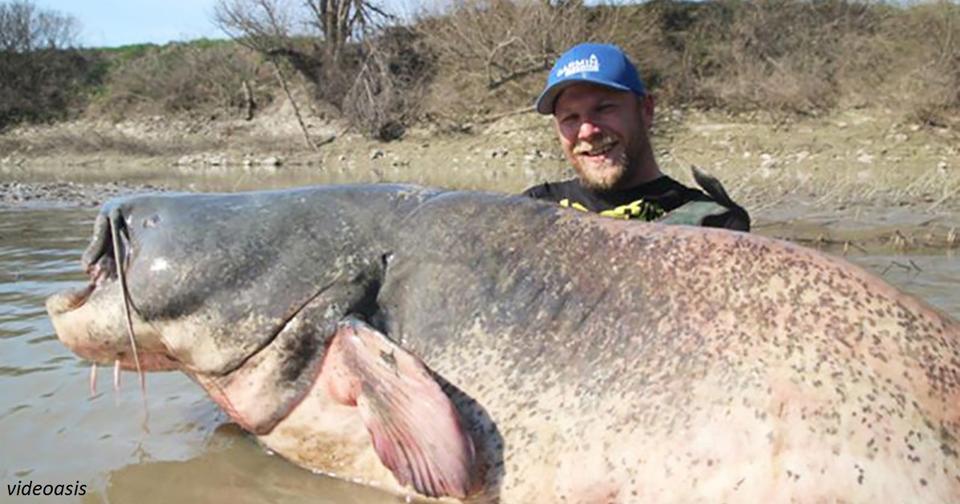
(415, 428)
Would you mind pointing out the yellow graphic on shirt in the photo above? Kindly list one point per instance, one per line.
(565, 203)
(638, 209)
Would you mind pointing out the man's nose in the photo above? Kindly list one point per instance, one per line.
(588, 128)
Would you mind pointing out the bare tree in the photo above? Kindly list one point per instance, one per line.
(264, 26)
(41, 75)
(261, 25)
(326, 41)
(390, 85)
(25, 28)
(509, 40)
(274, 26)
(338, 21)
(495, 51)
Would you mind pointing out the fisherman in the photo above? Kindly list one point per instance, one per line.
(603, 113)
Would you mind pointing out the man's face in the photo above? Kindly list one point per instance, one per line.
(603, 132)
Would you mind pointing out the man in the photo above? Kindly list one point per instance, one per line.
(602, 115)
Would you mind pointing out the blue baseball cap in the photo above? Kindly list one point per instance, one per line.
(602, 64)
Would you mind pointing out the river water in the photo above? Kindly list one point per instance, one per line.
(52, 431)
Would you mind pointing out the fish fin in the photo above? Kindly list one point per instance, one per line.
(415, 428)
(713, 187)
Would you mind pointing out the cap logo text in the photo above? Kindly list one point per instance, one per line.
(591, 64)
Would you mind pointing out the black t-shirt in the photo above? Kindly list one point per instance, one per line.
(649, 201)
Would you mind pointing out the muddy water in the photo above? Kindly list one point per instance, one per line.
(52, 431)
(452, 175)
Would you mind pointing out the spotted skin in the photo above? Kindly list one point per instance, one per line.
(766, 372)
(591, 360)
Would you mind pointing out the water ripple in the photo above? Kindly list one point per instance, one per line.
(20, 371)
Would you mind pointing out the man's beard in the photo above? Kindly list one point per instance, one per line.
(604, 179)
(613, 174)
(609, 174)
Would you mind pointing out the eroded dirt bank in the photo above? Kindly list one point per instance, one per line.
(860, 178)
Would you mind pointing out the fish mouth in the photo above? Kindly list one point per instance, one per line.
(81, 316)
(100, 274)
(98, 261)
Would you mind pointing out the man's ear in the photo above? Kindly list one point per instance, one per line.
(646, 105)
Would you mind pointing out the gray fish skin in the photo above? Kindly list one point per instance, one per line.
(588, 359)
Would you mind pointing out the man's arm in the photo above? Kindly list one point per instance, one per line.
(537, 192)
(708, 213)
(735, 218)
(710, 206)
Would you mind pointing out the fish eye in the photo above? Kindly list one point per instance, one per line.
(151, 221)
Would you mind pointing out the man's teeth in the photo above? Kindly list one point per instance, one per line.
(600, 148)
(101, 272)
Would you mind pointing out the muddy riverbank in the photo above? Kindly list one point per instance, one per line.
(884, 194)
(857, 178)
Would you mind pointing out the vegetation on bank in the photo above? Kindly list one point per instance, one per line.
(484, 58)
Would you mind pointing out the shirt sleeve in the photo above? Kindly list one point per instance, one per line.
(537, 192)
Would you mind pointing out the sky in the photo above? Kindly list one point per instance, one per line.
(109, 23)
(120, 22)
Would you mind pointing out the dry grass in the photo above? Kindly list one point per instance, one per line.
(90, 142)
(930, 86)
(470, 59)
(782, 56)
(186, 78)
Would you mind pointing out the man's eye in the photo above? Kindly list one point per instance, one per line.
(606, 107)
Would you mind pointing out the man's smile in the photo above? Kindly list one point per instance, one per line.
(598, 147)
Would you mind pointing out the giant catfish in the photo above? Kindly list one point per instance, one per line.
(494, 348)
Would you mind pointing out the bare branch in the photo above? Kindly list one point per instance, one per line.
(25, 28)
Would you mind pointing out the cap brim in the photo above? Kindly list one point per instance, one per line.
(548, 97)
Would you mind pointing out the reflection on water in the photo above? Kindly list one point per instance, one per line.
(935, 278)
(453, 175)
(230, 470)
(52, 432)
